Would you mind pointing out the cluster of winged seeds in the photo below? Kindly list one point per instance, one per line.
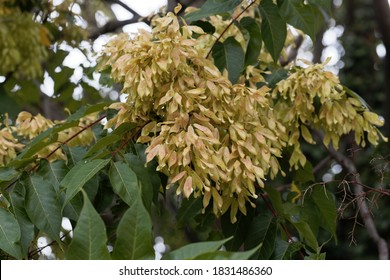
(212, 138)
(13, 138)
(24, 59)
(216, 139)
(312, 98)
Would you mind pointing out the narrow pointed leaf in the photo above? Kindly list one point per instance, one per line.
(10, 234)
(102, 143)
(262, 231)
(7, 174)
(191, 251)
(73, 209)
(53, 172)
(42, 205)
(89, 239)
(124, 182)
(276, 198)
(79, 175)
(327, 207)
(223, 255)
(306, 234)
(189, 209)
(254, 42)
(273, 28)
(147, 177)
(302, 16)
(285, 250)
(213, 7)
(26, 226)
(229, 55)
(134, 234)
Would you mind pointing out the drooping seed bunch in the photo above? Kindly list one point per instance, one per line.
(314, 98)
(215, 139)
(23, 44)
(27, 127)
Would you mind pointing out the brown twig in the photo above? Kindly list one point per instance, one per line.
(362, 206)
(227, 27)
(58, 147)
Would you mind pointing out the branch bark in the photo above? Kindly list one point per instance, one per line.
(382, 10)
(364, 211)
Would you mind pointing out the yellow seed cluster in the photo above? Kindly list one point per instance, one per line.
(22, 45)
(29, 126)
(313, 98)
(8, 146)
(215, 139)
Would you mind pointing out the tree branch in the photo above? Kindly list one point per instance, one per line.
(123, 5)
(382, 10)
(362, 204)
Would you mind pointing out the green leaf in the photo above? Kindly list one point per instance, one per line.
(327, 207)
(223, 255)
(148, 177)
(358, 97)
(61, 79)
(306, 234)
(42, 205)
(305, 174)
(262, 230)
(213, 7)
(193, 250)
(26, 226)
(90, 239)
(53, 172)
(8, 104)
(325, 5)
(73, 209)
(254, 42)
(302, 16)
(273, 28)
(105, 77)
(189, 209)
(79, 175)
(44, 139)
(124, 128)
(238, 230)
(7, 174)
(134, 234)
(10, 234)
(275, 197)
(102, 144)
(316, 256)
(229, 55)
(74, 154)
(276, 76)
(285, 250)
(205, 25)
(124, 182)
(85, 111)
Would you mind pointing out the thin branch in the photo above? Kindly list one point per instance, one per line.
(227, 27)
(57, 148)
(72, 137)
(362, 204)
(114, 25)
(123, 5)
